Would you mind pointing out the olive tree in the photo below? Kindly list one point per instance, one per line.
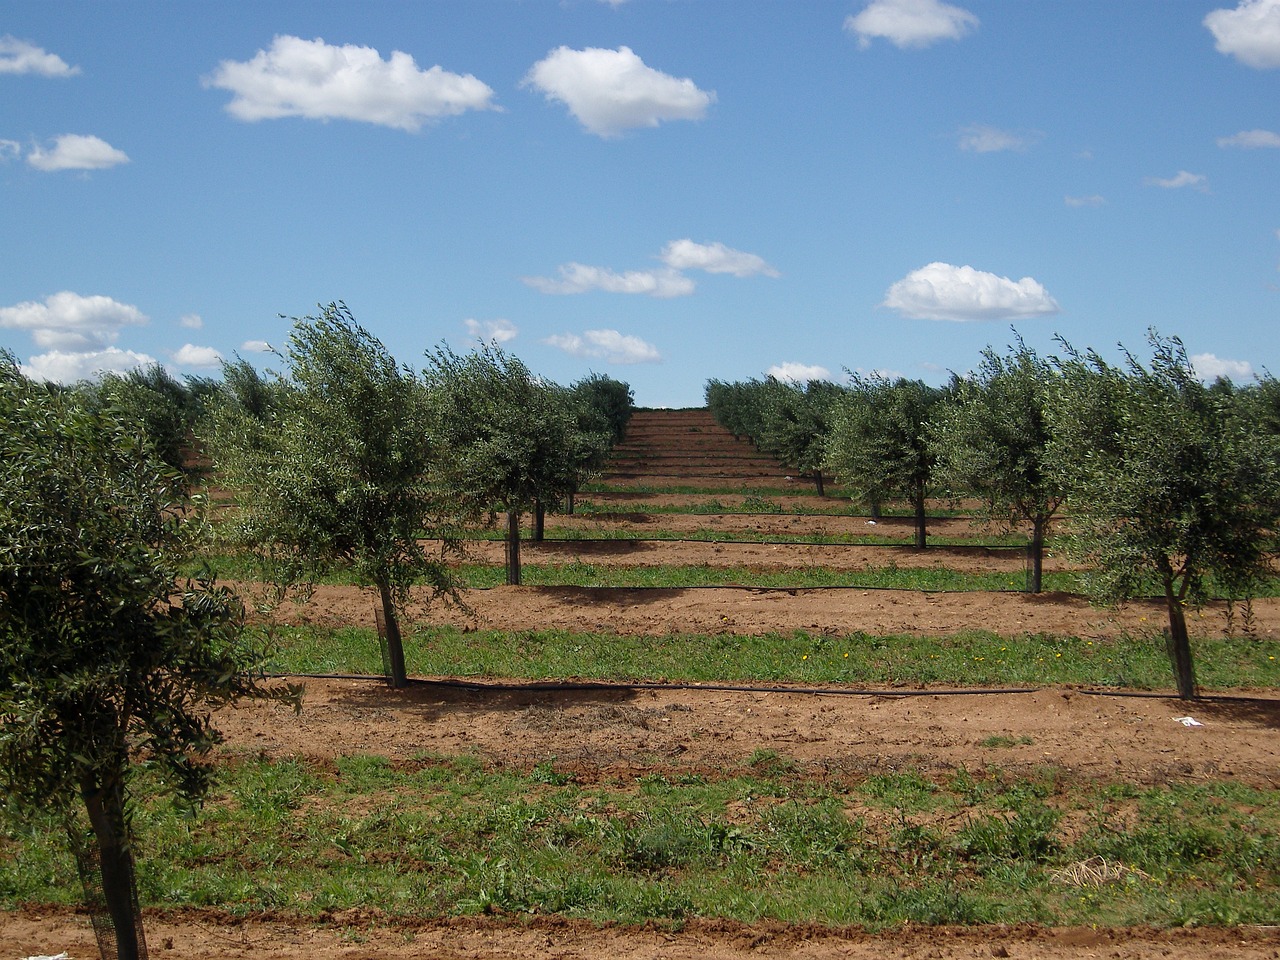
(991, 439)
(107, 657)
(1169, 484)
(878, 443)
(514, 440)
(795, 421)
(332, 469)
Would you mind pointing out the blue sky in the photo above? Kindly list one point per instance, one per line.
(664, 191)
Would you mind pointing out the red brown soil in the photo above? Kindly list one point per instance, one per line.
(602, 731)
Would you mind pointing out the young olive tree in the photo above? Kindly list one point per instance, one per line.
(878, 443)
(514, 440)
(332, 469)
(108, 658)
(795, 421)
(737, 407)
(991, 439)
(1168, 481)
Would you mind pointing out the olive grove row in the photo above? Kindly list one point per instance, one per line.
(111, 654)
(1168, 482)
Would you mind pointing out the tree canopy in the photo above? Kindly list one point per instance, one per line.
(334, 465)
(515, 441)
(106, 654)
(991, 439)
(878, 443)
(1169, 483)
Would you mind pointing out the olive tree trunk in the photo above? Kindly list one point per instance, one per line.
(395, 643)
(1179, 645)
(1037, 554)
(105, 807)
(917, 501)
(513, 548)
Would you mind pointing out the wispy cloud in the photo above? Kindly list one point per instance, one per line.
(319, 81)
(611, 91)
(1091, 200)
(1250, 32)
(714, 258)
(74, 151)
(581, 278)
(910, 23)
(607, 345)
(667, 281)
(491, 331)
(191, 321)
(940, 291)
(792, 372)
(1180, 180)
(21, 56)
(255, 346)
(980, 138)
(1251, 139)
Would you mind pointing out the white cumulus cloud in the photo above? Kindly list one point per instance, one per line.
(980, 138)
(940, 291)
(610, 91)
(581, 278)
(69, 321)
(319, 81)
(491, 331)
(1251, 139)
(255, 346)
(910, 23)
(792, 372)
(192, 321)
(1208, 368)
(71, 367)
(1179, 180)
(189, 355)
(608, 345)
(76, 151)
(1250, 32)
(714, 258)
(21, 56)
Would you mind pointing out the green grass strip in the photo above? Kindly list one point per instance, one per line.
(969, 659)
(768, 839)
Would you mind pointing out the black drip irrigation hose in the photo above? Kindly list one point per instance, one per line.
(555, 687)
(759, 543)
(747, 586)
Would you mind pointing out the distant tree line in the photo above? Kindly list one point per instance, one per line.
(1168, 485)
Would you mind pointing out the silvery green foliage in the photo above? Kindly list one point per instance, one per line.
(878, 443)
(1170, 484)
(513, 439)
(991, 440)
(333, 465)
(108, 659)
